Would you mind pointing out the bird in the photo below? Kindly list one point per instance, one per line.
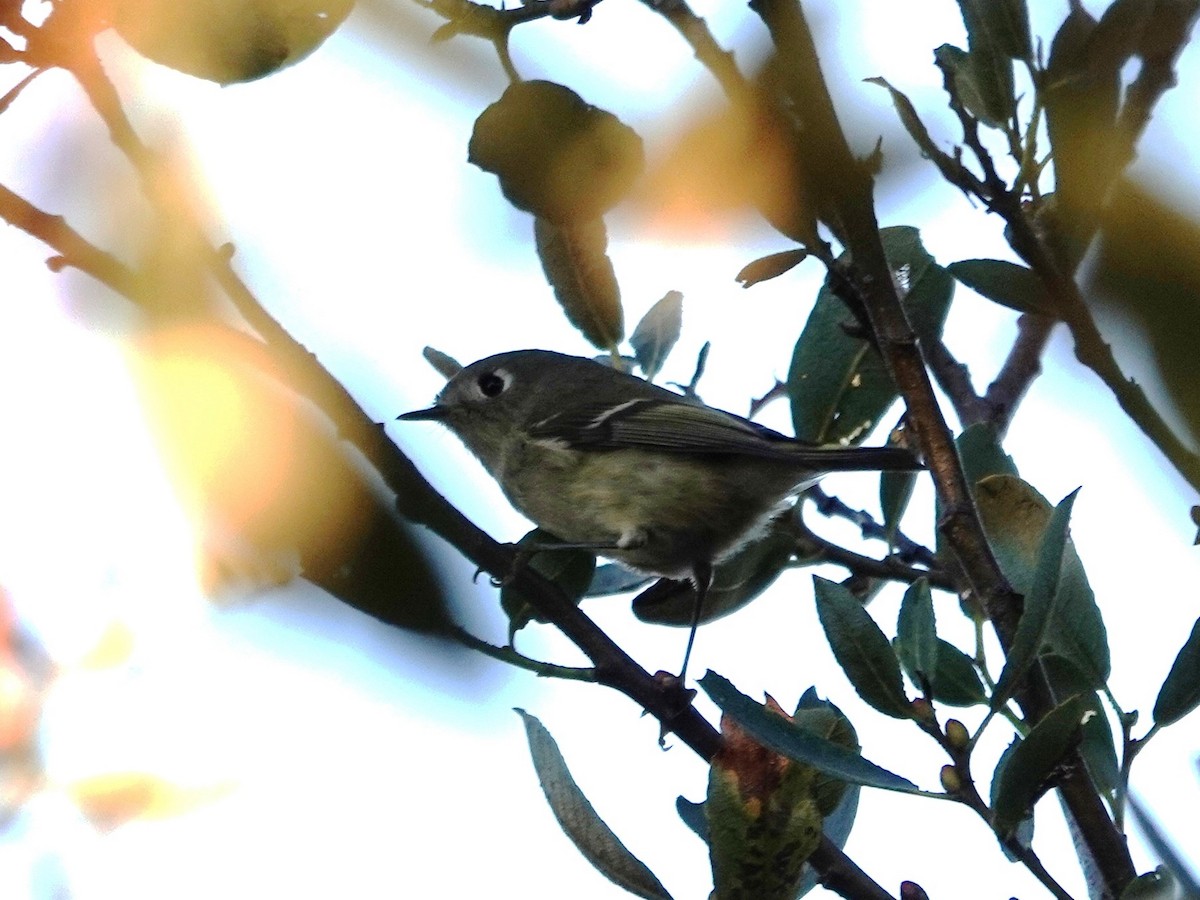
(608, 462)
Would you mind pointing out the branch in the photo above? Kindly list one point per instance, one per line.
(708, 52)
(954, 378)
(907, 550)
(73, 249)
(889, 569)
(1020, 369)
(510, 656)
(867, 281)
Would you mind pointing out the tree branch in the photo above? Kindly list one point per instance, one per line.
(708, 52)
(867, 281)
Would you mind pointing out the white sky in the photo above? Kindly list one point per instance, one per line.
(335, 757)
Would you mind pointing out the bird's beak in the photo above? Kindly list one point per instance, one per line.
(433, 414)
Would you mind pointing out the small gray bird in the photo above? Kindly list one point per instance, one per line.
(608, 462)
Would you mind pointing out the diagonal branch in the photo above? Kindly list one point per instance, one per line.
(867, 281)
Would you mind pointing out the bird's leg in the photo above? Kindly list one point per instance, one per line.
(702, 575)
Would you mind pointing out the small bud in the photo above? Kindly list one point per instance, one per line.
(951, 781)
(910, 890)
(921, 710)
(957, 735)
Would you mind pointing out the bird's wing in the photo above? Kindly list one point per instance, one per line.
(672, 426)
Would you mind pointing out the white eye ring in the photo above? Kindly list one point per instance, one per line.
(493, 383)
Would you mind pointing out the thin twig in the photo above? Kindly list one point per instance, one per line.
(907, 550)
(521, 661)
(74, 250)
(1021, 368)
(888, 569)
(708, 52)
(954, 378)
(777, 392)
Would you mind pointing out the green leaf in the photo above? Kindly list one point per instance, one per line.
(1119, 35)
(611, 578)
(693, 816)
(861, 649)
(1098, 749)
(556, 155)
(895, 491)
(657, 333)
(1023, 834)
(1002, 25)
(990, 39)
(1081, 108)
(1180, 692)
(981, 454)
(838, 387)
(579, 821)
(736, 582)
(1015, 517)
(227, 43)
(1006, 283)
(569, 568)
(956, 681)
(956, 66)
(1040, 603)
(767, 267)
(575, 261)
(776, 733)
(916, 634)
(1026, 775)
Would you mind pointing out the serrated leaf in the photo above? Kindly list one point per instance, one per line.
(569, 568)
(838, 387)
(611, 578)
(1026, 775)
(1015, 517)
(776, 733)
(895, 491)
(1006, 283)
(575, 261)
(916, 633)
(1180, 692)
(579, 821)
(736, 582)
(693, 816)
(1041, 601)
(956, 681)
(861, 649)
(657, 333)
(771, 266)
(1023, 834)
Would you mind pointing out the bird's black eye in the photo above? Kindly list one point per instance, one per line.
(491, 384)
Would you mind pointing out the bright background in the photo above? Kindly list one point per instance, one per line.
(300, 748)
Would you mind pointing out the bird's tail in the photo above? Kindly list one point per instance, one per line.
(856, 459)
